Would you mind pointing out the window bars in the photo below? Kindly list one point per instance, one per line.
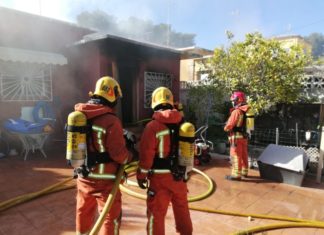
(152, 81)
(25, 82)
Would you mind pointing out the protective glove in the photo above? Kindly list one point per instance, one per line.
(81, 172)
(130, 140)
(141, 179)
(142, 183)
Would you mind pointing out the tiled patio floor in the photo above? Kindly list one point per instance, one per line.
(54, 214)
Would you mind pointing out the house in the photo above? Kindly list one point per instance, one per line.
(43, 59)
(191, 68)
(33, 64)
(314, 74)
(294, 40)
(139, 67)
(191, 63)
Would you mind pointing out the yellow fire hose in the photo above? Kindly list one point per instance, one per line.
(23, 198)
(297, 222)
(293, 222)
(109, 202)
(263, 228)
(202, 196)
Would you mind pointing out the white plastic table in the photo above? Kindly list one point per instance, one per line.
(32, 142)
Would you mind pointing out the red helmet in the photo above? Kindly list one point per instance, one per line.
(238, 97)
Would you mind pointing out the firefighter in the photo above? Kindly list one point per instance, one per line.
(157, 172)
(106, 150)
(238, 137)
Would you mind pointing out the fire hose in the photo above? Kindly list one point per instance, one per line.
(294, 222)
(108, 204)
(132, 168)
(290, 222)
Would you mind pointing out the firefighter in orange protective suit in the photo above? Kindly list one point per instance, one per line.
(156, 171)
(238, 137)
(106, 150)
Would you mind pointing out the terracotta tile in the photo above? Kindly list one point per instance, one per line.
(261, 206)
(274, 232)
(10, 192)
(16, 223)
(319, 232)
(254, 195)
(299, 231)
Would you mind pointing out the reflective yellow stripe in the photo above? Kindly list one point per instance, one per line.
(160, 135)
(244, 171)
(101, 169)
(236, 136)
(155, 171)
(235, 171)
(161, 171)
(100, 131)
(116, 227)
(101, 176)
(150, 226)
(143, 170)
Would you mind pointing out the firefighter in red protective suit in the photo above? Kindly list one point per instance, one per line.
(165, 184)
(106, 150)
(238, 137)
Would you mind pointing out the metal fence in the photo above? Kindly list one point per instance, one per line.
(292, 137)
(308, 140)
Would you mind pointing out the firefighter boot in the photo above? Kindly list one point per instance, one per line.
(229, 177)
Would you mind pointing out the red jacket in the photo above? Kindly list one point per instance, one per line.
(155, 140)
(107, 135)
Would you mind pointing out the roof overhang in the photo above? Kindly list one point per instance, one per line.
(101, 37)
(31, 56)
(195, 52)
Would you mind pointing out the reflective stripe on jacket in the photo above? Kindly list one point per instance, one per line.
(107, 136)
(155, 140)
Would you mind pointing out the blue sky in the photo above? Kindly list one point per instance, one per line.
(208, 19)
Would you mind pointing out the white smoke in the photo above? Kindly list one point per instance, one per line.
(67, 10)
(53, 9)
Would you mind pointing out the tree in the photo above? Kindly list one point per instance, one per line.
(266, 72)
(204, 100)
(206, 107)
(317, 42)
(135, 28)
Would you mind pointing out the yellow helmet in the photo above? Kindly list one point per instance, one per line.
(161, 95)
(108, 88)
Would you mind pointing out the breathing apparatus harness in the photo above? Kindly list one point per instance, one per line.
(246, 127)
(93, 157)
(241, 129)
(81, 152)
(178, 166)
(171, 161)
